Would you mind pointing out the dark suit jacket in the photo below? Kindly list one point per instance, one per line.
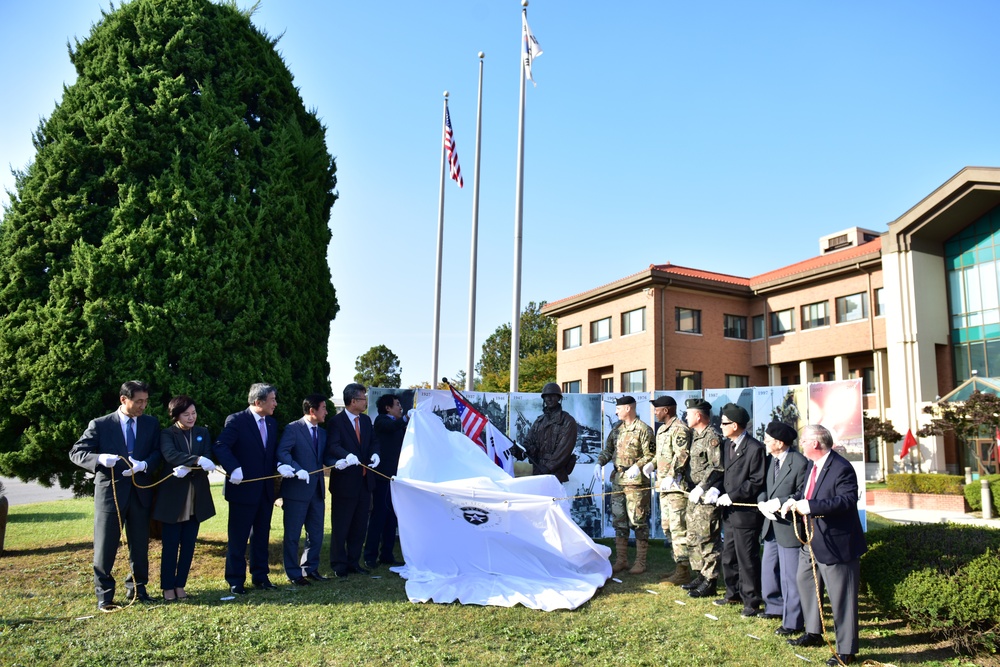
(387, 437)
(342, 441)
(296, 450)
(239, 446)
(172, 494)
(743, 480)
(838, 536)
(790, 477)
(104, 436)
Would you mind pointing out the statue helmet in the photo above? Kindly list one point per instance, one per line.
(551, 388)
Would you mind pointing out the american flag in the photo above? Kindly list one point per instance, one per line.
(451, 149)
(473, 421)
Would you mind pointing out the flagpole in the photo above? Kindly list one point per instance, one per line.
(469, 374)
(515, 322)
(440, 246)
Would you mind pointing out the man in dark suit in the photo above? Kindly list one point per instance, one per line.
(743, 462)
(247, 449)
(300, 452)
(780, 563)
(349, 444)
(115, 448)
(387, 436)
(830, 497)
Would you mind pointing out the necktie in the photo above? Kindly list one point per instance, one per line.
(315, 441)
(130, 436)
(357, 428)
(263, 432)
(812, 484)
(777, 466)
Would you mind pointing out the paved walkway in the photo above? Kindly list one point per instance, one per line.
(903, 515)
(22, 493)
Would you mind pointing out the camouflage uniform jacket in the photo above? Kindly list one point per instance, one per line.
(550, 442)
(673, 448)
(706, 458)
(628, 446)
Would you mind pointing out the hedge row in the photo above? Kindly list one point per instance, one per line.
(941, 578)
(974, 494)
(950, 485)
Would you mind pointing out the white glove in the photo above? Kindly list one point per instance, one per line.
(409, 414)
(375, 460)
(137, 466)
(236, 476)
(181, 471)
(789, 504)
(763, 507)
(695, 494)
(286, 471)
(724, 501)
(107, 460)
(341, 464)
(711, 496)
(772, 505)
(632, 473)
(206, 464)
(669, 484)
(647, 469)
(302, 474)
(352, 460)
(802, 506)
(597, 470)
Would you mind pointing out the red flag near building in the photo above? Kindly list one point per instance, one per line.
(908, 443)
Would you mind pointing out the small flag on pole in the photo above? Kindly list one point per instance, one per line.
(530, 48)
(451, 150)
(908, 443)
(473, 421)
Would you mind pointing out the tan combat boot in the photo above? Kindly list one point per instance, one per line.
(621, 554)
(681, 575)
(640, 557)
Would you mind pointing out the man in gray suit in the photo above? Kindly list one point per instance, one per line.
(300, 452)
(115, 448)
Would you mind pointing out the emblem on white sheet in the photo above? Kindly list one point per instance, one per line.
(477, 516)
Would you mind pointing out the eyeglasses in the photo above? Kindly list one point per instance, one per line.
(726, 423)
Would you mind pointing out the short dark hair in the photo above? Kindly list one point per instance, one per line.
(312, 402)
(352, 391)
(179, 404)
(132, 386)
(385, 402)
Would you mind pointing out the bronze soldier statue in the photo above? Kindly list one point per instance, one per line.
(550, 440)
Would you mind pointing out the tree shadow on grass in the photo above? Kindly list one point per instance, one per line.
(68, 547)
(46, 517)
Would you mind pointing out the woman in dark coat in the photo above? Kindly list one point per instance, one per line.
(185, 499)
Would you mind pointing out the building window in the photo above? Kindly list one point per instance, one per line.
(816, 315)
(572, 337)
(607, 385)
(734, 326)
(737, 381)
(687, 380)
(571, 387)
(600, 330)
(634, 321)
(852, 308)
(868, 380)
(782, 321)
(838, 242)
(758, 327)
(634, 381)
(688, 320)
(879, 301)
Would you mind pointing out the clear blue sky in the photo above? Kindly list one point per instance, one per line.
(727, 136)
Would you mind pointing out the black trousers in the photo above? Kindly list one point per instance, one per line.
(381, 537)
(741, 564)
(248, 523)
(349, 522)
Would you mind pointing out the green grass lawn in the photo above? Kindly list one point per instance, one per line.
(48, 616)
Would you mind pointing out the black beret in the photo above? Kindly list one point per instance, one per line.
(699, 404)
(625, 400)
(737, 414)
(664, 402)
(691, 402)
(781, 431)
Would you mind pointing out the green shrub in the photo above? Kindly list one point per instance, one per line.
(950, 485)
(974, 493)
(941, 578)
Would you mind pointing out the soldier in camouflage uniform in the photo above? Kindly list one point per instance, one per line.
(630, 446)
(703, 520)
(673, 447)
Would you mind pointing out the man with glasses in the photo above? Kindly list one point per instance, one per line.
(743, 462)
(350, 444)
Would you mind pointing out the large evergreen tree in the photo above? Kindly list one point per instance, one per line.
(171, 228)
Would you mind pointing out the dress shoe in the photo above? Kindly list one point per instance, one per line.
(301, 581)
(392, 563)
(169, 595)
(357, 569)
(237, 589)
(807, 639)
(340, 574)
(316, 576)
(846, 658)
(182, 594)
(770, 617)
(140, 596)
(787, 632)
(694, 583)
(706, 590)
(264, 585)
(750, 612)
(722, 602)
(107, 607)
(370, 564)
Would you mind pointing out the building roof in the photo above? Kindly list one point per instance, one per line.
(821, 264)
